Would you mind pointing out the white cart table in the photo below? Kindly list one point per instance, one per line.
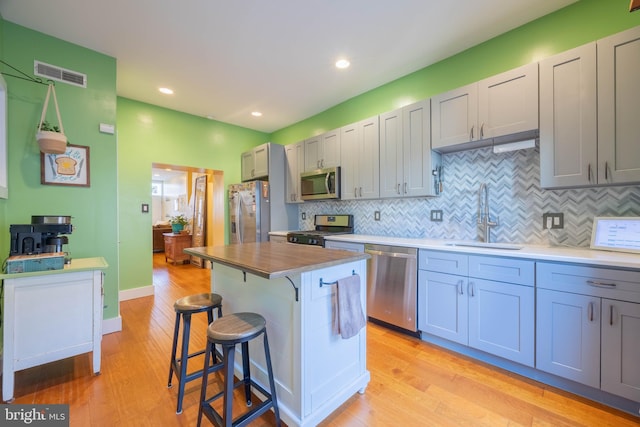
(51, 315)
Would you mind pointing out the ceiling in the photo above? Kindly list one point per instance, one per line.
(226, 59)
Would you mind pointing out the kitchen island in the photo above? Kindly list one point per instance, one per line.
(292, 286)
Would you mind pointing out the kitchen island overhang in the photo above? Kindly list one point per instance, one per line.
(292, 286)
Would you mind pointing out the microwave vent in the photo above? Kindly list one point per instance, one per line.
(59, 74)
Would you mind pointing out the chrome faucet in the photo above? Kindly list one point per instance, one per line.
(484, 219)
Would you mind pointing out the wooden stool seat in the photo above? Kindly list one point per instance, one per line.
(227, 331)
(197, 303)
(184, 308)
(236, 328)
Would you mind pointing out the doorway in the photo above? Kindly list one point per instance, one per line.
(182, 190)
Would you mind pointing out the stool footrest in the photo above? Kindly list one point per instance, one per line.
(243, 420)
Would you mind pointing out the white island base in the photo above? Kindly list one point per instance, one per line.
(315, 370)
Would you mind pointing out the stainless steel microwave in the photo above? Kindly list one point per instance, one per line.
(320, 184)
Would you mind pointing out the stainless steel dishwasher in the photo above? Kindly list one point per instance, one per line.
(392, 285)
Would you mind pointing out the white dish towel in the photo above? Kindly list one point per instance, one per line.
(348, 317)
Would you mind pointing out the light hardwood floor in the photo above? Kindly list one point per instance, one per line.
(412, 383)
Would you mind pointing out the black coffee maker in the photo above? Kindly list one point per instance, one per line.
(45, 234)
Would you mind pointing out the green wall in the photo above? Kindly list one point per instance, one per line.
(94, 208)
(577, 24)
(149, 134)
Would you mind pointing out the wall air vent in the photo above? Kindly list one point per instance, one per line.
(56, 73)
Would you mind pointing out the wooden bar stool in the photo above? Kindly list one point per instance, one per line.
(232, 329)
(185, 307)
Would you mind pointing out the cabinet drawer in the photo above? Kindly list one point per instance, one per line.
(521, 272)
(602, 282)
(443, 262)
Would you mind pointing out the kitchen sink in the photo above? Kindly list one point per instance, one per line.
(508, 246)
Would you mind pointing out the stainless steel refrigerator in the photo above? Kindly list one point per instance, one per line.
(249, 212)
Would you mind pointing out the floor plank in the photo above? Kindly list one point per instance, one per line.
(413, 383)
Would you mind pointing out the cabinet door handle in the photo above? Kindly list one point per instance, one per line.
(590, 311)
(360, 191)
(405, 188)
(355, 191)
(482, 131)
(470, 290)
(611, 315)
(589, 173)
(606, 171)
(601, 284)
(460, 288)
(398, 189)
(471, 134)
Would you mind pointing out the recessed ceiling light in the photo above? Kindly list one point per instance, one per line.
(166, 90)
(342, 63)
(256, 114)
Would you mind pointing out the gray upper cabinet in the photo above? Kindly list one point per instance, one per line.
(360, 171)
(322, 151)
(406, 160)
(504, 106)
(588, 112)
(568, 118)
(454, 117)
(255, 163)
(294, 154)
(508, 102)
(618, 108)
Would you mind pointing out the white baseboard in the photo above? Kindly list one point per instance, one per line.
(112, 325)
(143, 291)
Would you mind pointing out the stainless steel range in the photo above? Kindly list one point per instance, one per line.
(325, 225)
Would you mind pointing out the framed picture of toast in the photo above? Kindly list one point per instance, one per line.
(70, 168)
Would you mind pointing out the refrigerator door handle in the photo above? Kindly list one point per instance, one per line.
(239, 218)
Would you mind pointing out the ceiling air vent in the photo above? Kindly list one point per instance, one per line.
(53, 72)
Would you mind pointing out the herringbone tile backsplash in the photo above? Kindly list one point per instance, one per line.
(515, 197)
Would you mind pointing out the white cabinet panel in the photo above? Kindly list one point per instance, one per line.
(489, 315)
(621, 348)
(618, 106)
(568, 118)
(443, 305)
(322, 151)
(255, 163)
(360, 171)
(295, 163)
(568, 336)
(504, 107)
(501, 319)
(508, 102)
(454, 116)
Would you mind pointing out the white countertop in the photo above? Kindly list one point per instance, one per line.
(536, 252)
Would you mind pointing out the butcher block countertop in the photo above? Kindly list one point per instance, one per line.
(272, 260)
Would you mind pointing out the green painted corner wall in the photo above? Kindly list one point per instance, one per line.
(82, 110)
(149, 134)
(572, 26)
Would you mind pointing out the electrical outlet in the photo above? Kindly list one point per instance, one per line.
(376, 215)
(304, 216)
(552, 221)
(436, 215)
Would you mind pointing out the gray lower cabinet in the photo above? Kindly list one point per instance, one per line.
(484, 302)
(588, 326)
